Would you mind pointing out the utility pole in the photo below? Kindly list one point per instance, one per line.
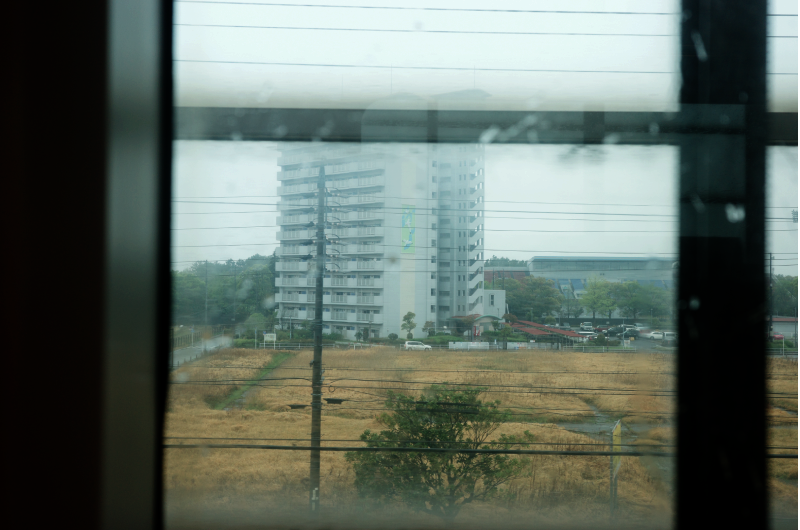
(234, 300)
(206, 300)
(316, 377)
(771, 298)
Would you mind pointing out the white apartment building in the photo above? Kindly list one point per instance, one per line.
(404, 228)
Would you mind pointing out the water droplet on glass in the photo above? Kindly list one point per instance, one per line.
(734, 213)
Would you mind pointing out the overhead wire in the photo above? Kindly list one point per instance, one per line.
(459, 9)
(442, 68)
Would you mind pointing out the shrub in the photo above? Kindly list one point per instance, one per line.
(393, 336)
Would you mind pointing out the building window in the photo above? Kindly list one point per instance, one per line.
(433, 292)
(433, 309)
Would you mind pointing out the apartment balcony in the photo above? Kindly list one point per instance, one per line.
(295, 251)
(369, 300)
(292, 266)
(361, 182)
(297, 204)
(362, 266)
(287, 297)
(336, 316)
(296, 219)
(289, 235)
(346, 299)
(361, 249)
(361, 283)
(291, 189)
(362, 215)
(292, 174)
(301, 298)
(371, 318)
(289, 282)
(356, 231)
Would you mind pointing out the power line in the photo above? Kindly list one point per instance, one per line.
(175, 199)
(427, 441)
(441, 68)
(437, 68)
(437, 209)
(498, 201)
(434, 31)
(474, 10)
(435, 450)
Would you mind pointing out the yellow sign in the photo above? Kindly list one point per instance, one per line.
(616, 447)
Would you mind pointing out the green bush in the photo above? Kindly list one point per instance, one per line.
(393, 336)
(440, 340)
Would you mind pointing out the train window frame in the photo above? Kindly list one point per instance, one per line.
(132, 443)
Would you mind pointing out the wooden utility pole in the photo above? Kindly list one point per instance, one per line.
(316, 377)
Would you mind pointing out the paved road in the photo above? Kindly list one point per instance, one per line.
(187, 354)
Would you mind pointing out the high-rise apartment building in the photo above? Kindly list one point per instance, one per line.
(404, 229)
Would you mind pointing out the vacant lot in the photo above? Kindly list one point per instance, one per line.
(563, 399)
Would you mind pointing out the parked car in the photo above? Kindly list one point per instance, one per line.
(587, 335)
(654, 335)
(632, 332)
(613, 332)
(670, 339)
(776, 336)
(601, 329)
(415, 345)
(586, 326)
(639, 326)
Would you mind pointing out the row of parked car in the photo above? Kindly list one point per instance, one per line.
(626, 331)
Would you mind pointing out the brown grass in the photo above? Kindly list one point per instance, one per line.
(555, 489)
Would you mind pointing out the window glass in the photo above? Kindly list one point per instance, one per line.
(519, 55)
(546, 329)
(505, 326)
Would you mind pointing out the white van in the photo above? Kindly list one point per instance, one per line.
(587, 326)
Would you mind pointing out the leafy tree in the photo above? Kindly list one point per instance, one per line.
(784, 295)
(598, 298)
(504, 329)
(634, 299)
(359, 335)
(429, 328)
(572, 307)
(463, 324)
(255, 322)
(534, 293)
(508, 317)
(439, 484)
(495, 261)
(408, 324)
(550, 320)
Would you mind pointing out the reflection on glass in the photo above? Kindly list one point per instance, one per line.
(475, 297)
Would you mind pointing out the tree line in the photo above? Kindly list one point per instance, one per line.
(233, 290)
(538, 300)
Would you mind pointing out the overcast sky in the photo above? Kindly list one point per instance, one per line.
(540, 200)
(544, 61)
(612, 55)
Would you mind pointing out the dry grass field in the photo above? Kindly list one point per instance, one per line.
(558, 397)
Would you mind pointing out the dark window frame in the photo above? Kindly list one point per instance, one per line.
(137, 148)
